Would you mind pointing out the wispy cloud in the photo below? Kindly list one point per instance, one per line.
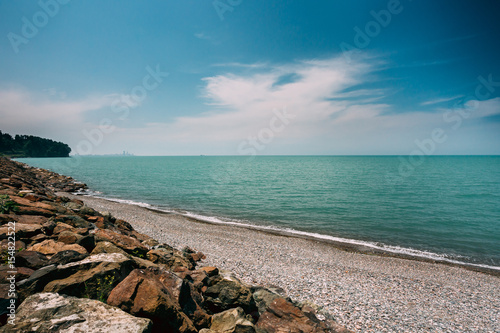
(46, 114)
(202, 35)
(441, 100)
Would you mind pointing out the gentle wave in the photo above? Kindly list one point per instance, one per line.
(289, 231)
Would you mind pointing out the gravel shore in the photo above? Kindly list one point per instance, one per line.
(365, 293)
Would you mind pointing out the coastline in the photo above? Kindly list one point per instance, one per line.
(351, 245)
(363, 289)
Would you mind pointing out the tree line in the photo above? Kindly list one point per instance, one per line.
(31, 146)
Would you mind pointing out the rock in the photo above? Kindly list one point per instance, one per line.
(88, 211)
(232, 320)
(6, 218)
(65, 257)
(170, 258)
(93, 277)
(74, 221)
(21, 273)
(149, 243)
(51, 312)
(68, 237)
(129, 244)
(88, 242)
(60, 227)
(32, 219)
(283, 316)
(107, 247)
(48, 227)
(21, 230)
(74, 206)
(211, 271)
(35, 282)
(31, 259)
(51, 247)
(229, 292)
(143, 294)
(123, 225)
(263, 299)
(19, 245)
(24, 210)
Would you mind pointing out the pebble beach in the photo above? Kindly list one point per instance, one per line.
(364, 293)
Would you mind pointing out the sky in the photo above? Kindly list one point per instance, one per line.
(260, 77)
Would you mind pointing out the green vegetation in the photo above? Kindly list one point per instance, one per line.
(31, 146)
(6, 204)
(101, 290)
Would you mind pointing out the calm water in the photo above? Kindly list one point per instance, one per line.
(446, 206)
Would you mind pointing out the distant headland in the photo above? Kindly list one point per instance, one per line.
(31, 146)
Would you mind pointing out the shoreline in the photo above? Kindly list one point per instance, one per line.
(364, 291)
(349, 245)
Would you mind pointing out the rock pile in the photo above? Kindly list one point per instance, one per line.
(81, 270)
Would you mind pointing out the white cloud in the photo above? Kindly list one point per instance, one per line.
(441, 100)
(24, 112)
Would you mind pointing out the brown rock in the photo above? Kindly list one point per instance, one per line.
(31, 259)
(150, 242)
(60, 227)
(143, 294)
(21, 273)
(21, 230)
(93, 277)
(129, 244)
(50, 312)
(211, 271)
(65, 257)
(24, 210)
(229, 292)
(107, 247)
(51, 247)
(19, 245)
(74, 221)
(283, 316)
(232, 320)
(32, 219)
(69, 237)
(169, 257)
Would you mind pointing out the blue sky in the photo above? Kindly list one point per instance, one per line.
(231, 77)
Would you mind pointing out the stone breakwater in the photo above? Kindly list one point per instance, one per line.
(67, 267)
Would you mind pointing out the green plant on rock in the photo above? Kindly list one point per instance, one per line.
(6, 204)
(137, 253)
(101, 290)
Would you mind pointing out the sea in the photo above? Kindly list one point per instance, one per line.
(437, 207)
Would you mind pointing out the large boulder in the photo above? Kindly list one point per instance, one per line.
(283, 316)
(51, 312)
(149, 294)
(78, 278)
(232, 321)
(93, 277)
(31, 259)
(227, 292)
(170, 258)
(129, 244)
(50, 247)
(263, 299)
(107, 247)
(21, 230)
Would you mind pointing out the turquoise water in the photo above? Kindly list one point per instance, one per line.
(443, 206)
